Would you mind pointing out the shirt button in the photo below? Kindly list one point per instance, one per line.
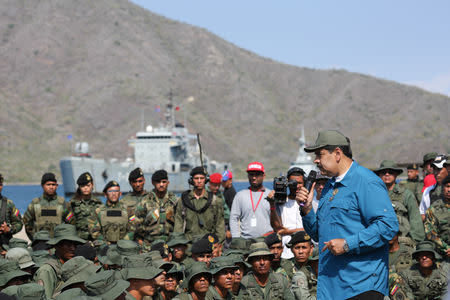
(385, 210)
(374, 274)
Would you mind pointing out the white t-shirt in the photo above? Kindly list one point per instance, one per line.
(290, 216)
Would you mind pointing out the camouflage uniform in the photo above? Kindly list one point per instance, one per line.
(195, 223)
(11, 215)
(277, 287)
(45, 212)
(49, 275)
(285, 269)
(155, 217)
(399, 261)
(83, 209)
(419, 287)
(407, 211)
(111, 223)
(304, 282)
(437, 225)
(415, 186)
(131, 200)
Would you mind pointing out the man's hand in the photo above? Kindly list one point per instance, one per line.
(270, 197)
(305, 198)
(4, 228)
(447, 252)
(336, 246)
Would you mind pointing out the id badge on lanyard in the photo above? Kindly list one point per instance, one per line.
(253, 222)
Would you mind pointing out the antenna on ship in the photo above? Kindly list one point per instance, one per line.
(170, 118)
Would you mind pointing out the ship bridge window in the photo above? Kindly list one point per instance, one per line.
(185, 167)
(154, 137)
(173, 168)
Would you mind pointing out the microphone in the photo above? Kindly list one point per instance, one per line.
(309, 182)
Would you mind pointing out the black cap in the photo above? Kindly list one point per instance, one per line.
(298, 237)
(412, 167)
(159, 175)
(87, 251)
(84, 178)
(446, 180)
(135, 174)
(295, 171)
(161, 247)
(48, 177)
(273, 238)
(211, 237)
(110, 184)
(197, 170)
(202, 246)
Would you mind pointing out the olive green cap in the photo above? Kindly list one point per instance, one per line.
(259, 249)
(239, 243)
(73, 294)
(16, 243)
(9, 270)
(198, 267)
(388, 165)
(177, 239)
(425, 246)
(177, 270)
(40, 256)
(112, 257)
(127, 247)
(22, 256)
(10, 290)
(31, 291)
(429, 156)
(220, 263)
(139, 267)
(158, 262)
(328, 138)
(105, 285)
(76, 270)
(66, 232)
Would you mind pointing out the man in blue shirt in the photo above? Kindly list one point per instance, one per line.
(353, 223)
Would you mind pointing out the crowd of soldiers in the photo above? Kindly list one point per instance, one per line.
(157, 245)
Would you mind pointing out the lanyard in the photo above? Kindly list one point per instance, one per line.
(251, 198)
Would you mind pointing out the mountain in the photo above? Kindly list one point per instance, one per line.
(92, 68)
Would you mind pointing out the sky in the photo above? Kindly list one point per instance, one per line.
(403, 41)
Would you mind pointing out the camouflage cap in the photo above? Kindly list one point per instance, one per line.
(112, 257)
(429, 156)
(10, 270)
(177, 239)
(21, 256)
(138, 267)
(31, 291)
(298, 237)
(16, 243)
(135, 174)
(105, 285)
(220, 263)
(110, 184)
(389, 165)
(273, 238)
(127, 247)
(40, 256)
(426, 246)
(84, 179)
(328, 138)
(76, 270)
(194, 269)
(65, 232)
(157, 261)
(259, 249)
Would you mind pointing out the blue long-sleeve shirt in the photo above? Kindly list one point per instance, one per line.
(359, 210)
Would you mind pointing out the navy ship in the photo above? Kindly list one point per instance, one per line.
(169, 146)
(304, 160)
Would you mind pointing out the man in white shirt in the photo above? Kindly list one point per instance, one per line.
(285, 217)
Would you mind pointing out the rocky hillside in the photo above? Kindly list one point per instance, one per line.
(89, 68)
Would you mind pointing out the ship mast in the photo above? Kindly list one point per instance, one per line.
(170, 117)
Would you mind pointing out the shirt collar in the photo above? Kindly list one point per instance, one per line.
(345, 178)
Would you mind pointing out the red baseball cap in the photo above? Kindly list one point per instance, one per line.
(255, 166)
(215, 178)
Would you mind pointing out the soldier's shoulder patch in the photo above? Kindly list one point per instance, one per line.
(211, 239)
(69, 216)
(132, 218)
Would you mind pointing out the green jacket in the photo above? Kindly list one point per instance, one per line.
(49, 275)
(304, 283)
(155, 217)
(214, 295)
(131, 200)
(407, 211)
(286, 269)
(12, 217)
(111, 223)
(437, 225)
(277, 287)
(83, 209)
(194, 223)
(419, 287)
(415, 186)
(44, 213)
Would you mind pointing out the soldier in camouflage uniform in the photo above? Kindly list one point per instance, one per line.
(137, 181)
(83, 205)
(222, 268)
(399, 259)
(413, 182)
(278, 264)
(261, 282)
(431, 194)
(111, 221)
(155, 212)
(199, 211)
(10, 218)
(425, 279)
(403, 201)
(437, 221)
(304, 281)
(47, 211)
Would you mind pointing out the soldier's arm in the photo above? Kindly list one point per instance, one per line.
(131, 228)
(178, 226)
(68, 216)
(16, 218)
(415, 220)
(94, 225)
(431, 230)
(28, 220)
(46, 277)
(220, 221)
(404, 286)
(299, 287)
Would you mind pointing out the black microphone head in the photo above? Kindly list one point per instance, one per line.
(310, 180)
(312, 175)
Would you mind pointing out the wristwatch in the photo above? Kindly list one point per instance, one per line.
(345, 246)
